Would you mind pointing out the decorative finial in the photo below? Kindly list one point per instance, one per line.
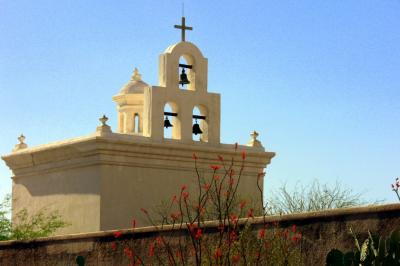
(103, 120)
(254, 142)
(183, 27)
(103, 129)
(21, 139)
(136, 75)
(21, 145)
(254, 135)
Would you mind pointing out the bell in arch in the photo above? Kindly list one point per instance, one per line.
(196, 128)
(167, 124)
(183, 79)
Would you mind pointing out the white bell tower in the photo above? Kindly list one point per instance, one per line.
(140, 102)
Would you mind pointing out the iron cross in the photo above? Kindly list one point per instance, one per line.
(183, 28)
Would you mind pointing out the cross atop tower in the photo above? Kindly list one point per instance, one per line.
(183, 28)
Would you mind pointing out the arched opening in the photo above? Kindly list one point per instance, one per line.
(186, 73)
(200, 121)
(173, 131)
(136, 124)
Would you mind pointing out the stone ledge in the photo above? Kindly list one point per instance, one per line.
(370, 210)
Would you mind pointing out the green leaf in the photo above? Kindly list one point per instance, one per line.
(364, 250)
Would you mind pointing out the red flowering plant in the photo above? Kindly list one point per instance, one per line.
(219, 226)
(396, 187)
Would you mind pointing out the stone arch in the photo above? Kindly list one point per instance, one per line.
(190, 72)
(203, 111)
(136, 123)
(175, 131)
(169, 63)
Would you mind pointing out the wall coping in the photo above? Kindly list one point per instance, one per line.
(306, 216)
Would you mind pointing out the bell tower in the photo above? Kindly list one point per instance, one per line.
(194, 113)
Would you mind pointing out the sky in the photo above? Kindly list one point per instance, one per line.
(319, 80)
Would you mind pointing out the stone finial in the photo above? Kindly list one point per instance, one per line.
(254, 142)
(136, 75)
(103, 120)
(103, 128)
(21, 145)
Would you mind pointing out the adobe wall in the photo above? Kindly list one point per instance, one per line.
(321, 231)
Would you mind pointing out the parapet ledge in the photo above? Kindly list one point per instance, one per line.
(369, 210)
(129, 150)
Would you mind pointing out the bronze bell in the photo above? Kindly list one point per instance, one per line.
(184, 79)
(167, 124)
(196, 129)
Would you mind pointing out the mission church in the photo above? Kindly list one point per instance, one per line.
(100, 181)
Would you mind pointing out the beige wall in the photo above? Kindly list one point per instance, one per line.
(75, 193)
(101, 182)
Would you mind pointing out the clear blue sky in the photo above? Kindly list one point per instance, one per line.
(320, 80)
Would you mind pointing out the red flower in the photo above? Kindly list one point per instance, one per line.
(151, 250)
(144, 211)
(216, 177)
(183, 187)
(175, 216)
(200, 208)
(294, 228)
(261, 233)
(114, 246)
(232, 236)
(191, 227)
(243, 155)
(236, 258)
(242, 204)
(215, 167)
(117, 234)
(174, 199)
(233, 218)
(206, 186)
(194, 156)
(199, 233)
(159, 240)
(128, 253)
(185, 195)
(296, 237)
(218, 253)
